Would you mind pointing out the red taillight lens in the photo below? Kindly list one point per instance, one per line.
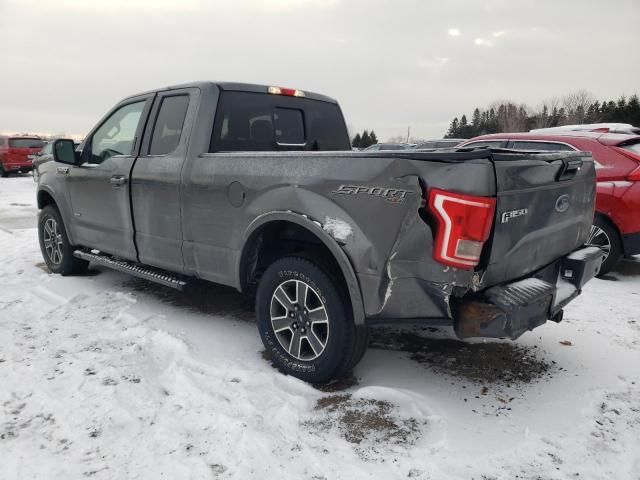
(634, 176)
(464, 224)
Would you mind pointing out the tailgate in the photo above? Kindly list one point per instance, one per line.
(544, 210)
(21, 155)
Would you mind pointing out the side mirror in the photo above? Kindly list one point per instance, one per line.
(64, 151)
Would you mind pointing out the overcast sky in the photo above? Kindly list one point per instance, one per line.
(390, 64)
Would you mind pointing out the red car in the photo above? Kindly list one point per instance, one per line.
(616, 227)
(15, 153)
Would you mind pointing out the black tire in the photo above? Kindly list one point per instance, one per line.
(338, 338)
(54, 244)
(3, 172)
(604, 234)
(361, 344)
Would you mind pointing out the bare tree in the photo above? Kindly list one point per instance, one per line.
(576, 105)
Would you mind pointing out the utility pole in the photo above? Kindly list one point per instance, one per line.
(408, 133)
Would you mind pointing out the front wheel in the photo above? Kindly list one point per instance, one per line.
(604, 236)
(54, 244)
(304, 323)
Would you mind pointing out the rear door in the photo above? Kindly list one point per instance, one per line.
(545, 205)
(99, 188)
(155, 182)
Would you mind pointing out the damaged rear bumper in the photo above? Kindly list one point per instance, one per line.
(511, 309)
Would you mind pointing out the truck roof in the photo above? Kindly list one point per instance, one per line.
(235, 87)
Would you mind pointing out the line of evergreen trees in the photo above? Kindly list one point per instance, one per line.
(366, 139)
(576, 108)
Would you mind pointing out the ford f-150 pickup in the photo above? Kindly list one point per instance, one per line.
(255, 187)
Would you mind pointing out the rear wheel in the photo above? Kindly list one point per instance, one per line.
(304, 323)
(605, 236)
(3, 172)
(54, 244)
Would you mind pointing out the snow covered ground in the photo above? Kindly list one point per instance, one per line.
(110, 377)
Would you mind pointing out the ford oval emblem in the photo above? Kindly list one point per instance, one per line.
(562, 203)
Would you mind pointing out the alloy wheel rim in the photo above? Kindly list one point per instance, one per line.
(52, 239)
(299, 320)
(599, 238)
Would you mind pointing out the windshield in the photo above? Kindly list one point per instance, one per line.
(25, 143)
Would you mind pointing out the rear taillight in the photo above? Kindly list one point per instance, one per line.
(463, 225)
(634, 176)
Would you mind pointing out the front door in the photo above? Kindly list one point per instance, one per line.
(99, 188)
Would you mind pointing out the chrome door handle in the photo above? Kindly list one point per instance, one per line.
(118, 180)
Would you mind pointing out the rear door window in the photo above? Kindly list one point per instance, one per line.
(247, 121)
(169, 123)
(546, 146)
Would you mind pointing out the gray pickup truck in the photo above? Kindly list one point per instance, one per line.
(257, 188)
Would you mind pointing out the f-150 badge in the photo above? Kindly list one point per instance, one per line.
(392, 195)
(506, 216)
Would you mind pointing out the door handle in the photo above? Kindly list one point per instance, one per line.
(118, 180)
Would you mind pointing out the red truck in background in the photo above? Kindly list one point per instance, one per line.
(15, 152)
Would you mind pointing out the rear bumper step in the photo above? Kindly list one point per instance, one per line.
(512, 309)
(142, 271)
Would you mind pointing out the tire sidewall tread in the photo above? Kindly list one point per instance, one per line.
(341, 342)
(70, 264)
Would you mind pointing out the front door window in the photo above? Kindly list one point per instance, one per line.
(117, 134)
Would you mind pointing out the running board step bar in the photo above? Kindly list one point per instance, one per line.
(157, 275)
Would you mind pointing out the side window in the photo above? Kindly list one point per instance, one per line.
(2, 142)
(116, 135)
(169, 122)
(485, 143)
(546, 146)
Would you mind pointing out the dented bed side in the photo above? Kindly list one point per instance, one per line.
(369, 205)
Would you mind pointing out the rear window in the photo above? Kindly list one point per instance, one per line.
(25, 143)
(260, 122)
(633, 147)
